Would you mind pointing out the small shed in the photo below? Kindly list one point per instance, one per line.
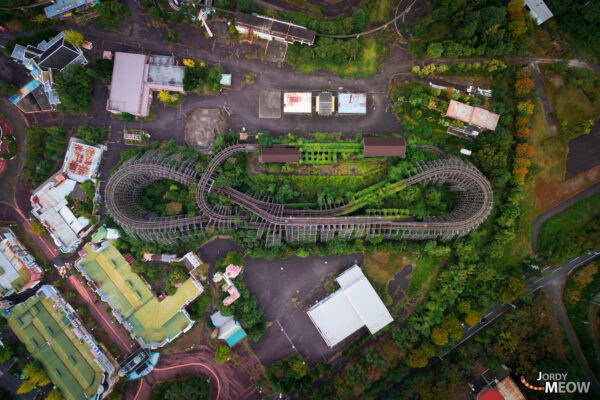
(352, 103)
(297, 103)
(325, 103)
(384, 146)
(280, 155)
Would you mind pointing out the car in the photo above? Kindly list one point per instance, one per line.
(3, 29)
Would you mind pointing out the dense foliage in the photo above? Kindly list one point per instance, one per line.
(581, 19)
(111, 14)
(44, 147)
(293, 374)
(92, 135)
(460, 28)
(165, 197)
(192, 388)
(73, 86)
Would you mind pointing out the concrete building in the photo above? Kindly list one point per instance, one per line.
(152, 321)
(273, 29)
(66, 8)
(297, 103)
(49, 203)
(56, 337)
(354, 305)
(476, 116)
(134, 78)
(18, 269)
(352, 103)
(44, 61)
(539, 10)
(227, 328)
(384, 146)
(280, 154)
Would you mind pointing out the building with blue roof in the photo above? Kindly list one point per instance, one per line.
(228, 328)
(65, 8)
(352, 103)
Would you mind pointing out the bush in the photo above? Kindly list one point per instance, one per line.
(223, 354)
(245, 6)
(12, 147)
(126, 116)
(91, 134)
(74, 86)
(111, 14)
(195, 387)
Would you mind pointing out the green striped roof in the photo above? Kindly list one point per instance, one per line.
(50, 339)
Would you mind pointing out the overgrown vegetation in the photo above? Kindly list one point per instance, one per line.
(166, 198)
(45, 148)
(92, 135)
(85, 207)
(572, 232)
(461, 28)
(74, 88)
(194, 387)
(111, 14)
(293, 374)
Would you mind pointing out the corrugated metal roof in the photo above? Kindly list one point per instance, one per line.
(127, 84)
(81, 161)
(384, 146)
(352, 103)
(539, 11)
(280, 154)
(472, 115)
(354, 305)
(297, 102)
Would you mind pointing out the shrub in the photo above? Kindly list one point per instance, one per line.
(223, 354)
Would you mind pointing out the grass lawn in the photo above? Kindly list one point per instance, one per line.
(423, 275)
(575, 218)
(579, 290)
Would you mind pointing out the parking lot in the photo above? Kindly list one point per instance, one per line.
(286, 289)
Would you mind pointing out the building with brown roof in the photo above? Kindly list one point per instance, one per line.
(279, 155)
(273, 29)
(384, 146)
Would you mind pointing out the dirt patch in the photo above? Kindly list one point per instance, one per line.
(557, 80)
(202, 128)
(397, 287)
(551, 193)
(383, 267)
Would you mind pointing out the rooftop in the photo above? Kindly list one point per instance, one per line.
(472, 115)
(274, 27)
(82, 160)
(354, 305)
(18, 268)
(55, 337)
(298, 103)
(152, 322)
(127, 84)
(280, 154)
(64, 6)
(325, 103)
(384, 146)
(539, 10)
(352, 103)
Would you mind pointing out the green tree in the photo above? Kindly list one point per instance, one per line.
(439, 336)
(512, 290)
(473, 317)
(37, 229)
(359, 18)
(435, 50)
(91, 134)
(223, 354)
(74, 86)
(155, 12)
(416, 359)
(265, 140)
(35, 376)
(54, 394)
(111, 14)
(6, 352)
(245, 6)
(73, 37)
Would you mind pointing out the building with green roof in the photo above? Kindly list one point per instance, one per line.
(55, 336)
(152, 322)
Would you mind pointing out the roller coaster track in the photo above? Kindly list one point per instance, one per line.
(124, 192)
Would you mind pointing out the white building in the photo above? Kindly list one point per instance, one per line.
(297, 102)
(354, 305)
(539, 11)
(18, 268)
(49, 203)
(134, 78)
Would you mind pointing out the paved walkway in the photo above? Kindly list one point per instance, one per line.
(543, 96)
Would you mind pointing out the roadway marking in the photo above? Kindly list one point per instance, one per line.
(538, 280)
(556, 270)
(537, 288)
(488, 314)
(545, 268)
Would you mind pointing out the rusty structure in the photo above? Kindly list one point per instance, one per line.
(276, 222)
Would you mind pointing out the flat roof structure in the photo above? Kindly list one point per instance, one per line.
(472, 115)
(18, 269)
(151, 322)
(280, 154)
(271, 28)
(127, 88)
(325, 103)
(354, 305)
(82, 160)
(56, 337)
(352, 103)
(539, 11)
(64, 7)
(269, 104)
(297, 102)
(384, 146)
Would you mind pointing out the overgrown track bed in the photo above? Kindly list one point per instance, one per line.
(266, 216)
